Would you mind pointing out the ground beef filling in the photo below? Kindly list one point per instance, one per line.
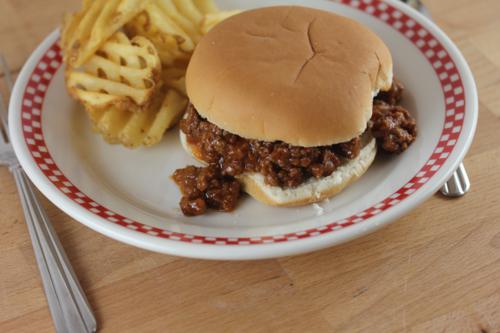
(204, 188)
(391, 124)
(281, 164)
(229, 155)
(393, 127)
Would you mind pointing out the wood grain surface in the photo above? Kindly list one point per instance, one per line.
(435, 270)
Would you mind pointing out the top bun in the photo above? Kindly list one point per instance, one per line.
(298, 75)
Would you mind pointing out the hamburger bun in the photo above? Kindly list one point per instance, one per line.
(298, 75)
(313, 190)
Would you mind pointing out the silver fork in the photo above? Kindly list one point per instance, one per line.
(68, 304)
(459, 184)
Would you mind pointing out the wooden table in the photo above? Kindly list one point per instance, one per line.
(435, 270)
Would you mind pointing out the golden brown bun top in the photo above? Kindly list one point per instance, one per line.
(294, 74)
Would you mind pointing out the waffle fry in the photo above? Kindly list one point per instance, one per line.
(175, 78)
(206, 7)
(190, 11)
(84, 32)
(171, 23)
(171, 111)
(70, 24)
(176, 13)
(142, 128)
(166, 45)
(212, 19)
(123, 73)
(161, 21)
(126, 62)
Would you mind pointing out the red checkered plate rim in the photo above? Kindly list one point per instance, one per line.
(456, 82)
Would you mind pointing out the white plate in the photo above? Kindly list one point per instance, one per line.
(127, 195)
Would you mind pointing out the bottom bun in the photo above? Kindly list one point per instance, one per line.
(311, 191)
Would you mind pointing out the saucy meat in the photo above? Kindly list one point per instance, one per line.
(393, 127)
(281, 164)
(391, 124)
(229, 155)
(204, 188)
(393, 95)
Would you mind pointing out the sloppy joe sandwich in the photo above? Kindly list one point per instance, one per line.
(288, 104)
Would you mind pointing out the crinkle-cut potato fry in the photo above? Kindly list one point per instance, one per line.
(171, 111)
(175, 78)
(173, 26)
(166, 45)
(211, 20)
(178, 84)
(85, 31)
(206, 6)
(126, 62)
(71, 22)
(123, 74)
(160, 20)
(109, 122)
(189, 10)
(188, 25)
(141, 128)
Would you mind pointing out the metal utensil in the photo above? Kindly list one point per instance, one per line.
(458, 185)
(68, 305)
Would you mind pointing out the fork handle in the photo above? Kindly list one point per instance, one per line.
(68, 305)
(458, 185)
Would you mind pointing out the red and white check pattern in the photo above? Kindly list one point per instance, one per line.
(437, 55)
